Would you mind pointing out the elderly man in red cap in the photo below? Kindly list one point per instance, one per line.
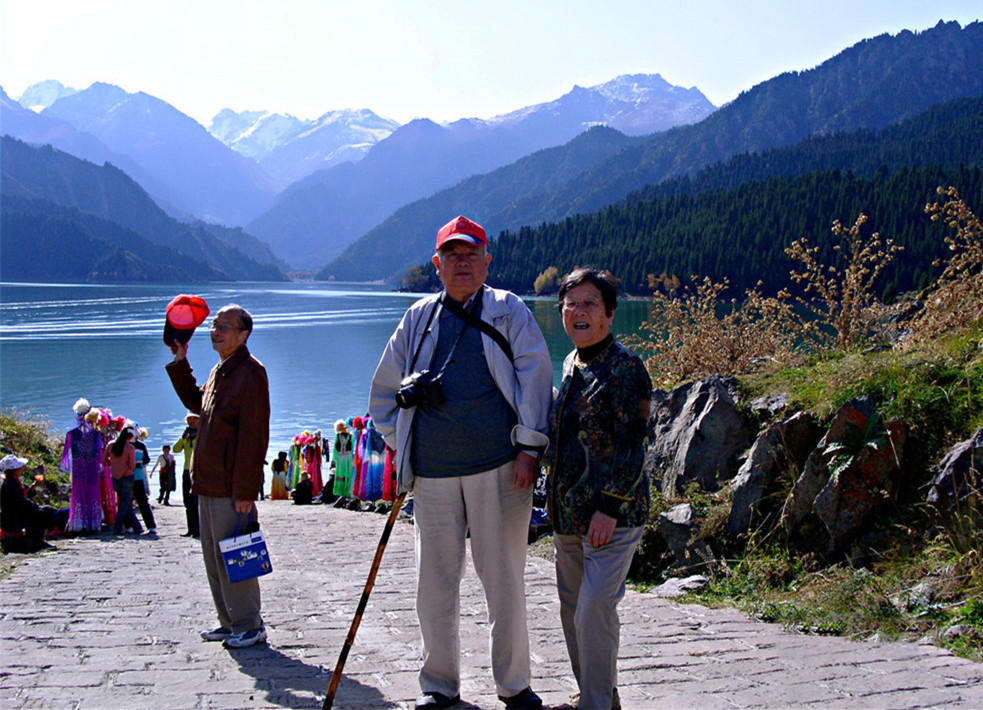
(227, 463)
(462, 393)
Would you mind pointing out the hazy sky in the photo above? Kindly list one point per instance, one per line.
(441, 59)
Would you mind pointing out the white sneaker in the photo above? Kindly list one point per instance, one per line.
(246, 638)
(219, 634)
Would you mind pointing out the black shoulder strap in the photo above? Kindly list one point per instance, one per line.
(470, 318)
(426, 329)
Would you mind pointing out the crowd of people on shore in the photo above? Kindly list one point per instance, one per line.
(354, 465)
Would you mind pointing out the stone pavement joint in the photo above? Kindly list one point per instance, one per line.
(113, 622)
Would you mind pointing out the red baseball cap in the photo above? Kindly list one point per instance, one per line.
(464, 229)
(183, 315)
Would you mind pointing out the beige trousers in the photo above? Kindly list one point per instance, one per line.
(497, 516)
(591, 582)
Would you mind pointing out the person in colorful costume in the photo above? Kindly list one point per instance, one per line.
(374, 462)
(82, 457)
(598, 497)
(469, 455)
(343, 452)
(358, 452)
(278, 490)
(313, 468)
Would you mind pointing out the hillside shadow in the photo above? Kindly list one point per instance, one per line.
(291, 683)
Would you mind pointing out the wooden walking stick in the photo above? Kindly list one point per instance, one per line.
(369, 583)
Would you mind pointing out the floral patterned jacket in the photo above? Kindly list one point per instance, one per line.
(598, 426)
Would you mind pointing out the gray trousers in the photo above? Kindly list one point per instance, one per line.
(444, 510)
(591, 582)
(237, 604)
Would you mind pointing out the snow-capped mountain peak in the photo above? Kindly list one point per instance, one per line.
(40, 96)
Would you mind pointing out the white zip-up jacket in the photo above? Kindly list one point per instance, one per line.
(527, 385)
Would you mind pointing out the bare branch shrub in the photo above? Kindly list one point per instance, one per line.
(956, 301)
(693, 333)
(842, 297)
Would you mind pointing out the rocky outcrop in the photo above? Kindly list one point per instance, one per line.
(846, 479)
(696, 435)
(956, 491)
(781, 447)
(680, 527)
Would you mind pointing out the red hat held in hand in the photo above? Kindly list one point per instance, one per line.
(183, 315)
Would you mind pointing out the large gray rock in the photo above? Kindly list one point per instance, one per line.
(680, 527)
(960, 473)
(783, 446)
(957, 488)
(846, 479)
(696, 435)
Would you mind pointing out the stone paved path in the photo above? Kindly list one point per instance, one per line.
(113, 623)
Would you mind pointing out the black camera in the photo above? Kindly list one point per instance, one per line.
(420, 388)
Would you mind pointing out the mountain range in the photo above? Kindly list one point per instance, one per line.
(372, 213)
(869, 85)
(81, 210)
(289, 148)
(230, 174)
(314, 219)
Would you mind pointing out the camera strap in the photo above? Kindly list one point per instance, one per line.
(442, 301)
(426, 329)
(470, 318)
(450, 356)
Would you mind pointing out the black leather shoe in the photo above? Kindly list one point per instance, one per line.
(432, 700)
(523, 700)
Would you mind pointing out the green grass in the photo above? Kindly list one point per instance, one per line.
(937, 391)
(31, 437)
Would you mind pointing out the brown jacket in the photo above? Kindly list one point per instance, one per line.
(234, 431)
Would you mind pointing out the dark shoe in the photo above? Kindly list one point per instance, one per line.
(430, 701)
(524, 700)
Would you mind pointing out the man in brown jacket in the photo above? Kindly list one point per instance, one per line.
(227, 463)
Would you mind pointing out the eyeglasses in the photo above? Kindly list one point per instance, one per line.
(455, 256)
(224, 327)
(589, 304)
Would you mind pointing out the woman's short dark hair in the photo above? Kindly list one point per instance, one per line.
(602, 279)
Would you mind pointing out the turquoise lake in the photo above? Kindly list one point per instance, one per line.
(320, 343)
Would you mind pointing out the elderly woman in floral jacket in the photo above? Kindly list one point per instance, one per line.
(599, 493)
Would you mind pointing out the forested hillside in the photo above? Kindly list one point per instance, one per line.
(735, 219)
(871, 85)
(44, 242)
(740, 234)
(39, 183)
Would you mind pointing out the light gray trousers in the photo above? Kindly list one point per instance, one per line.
(591, 582)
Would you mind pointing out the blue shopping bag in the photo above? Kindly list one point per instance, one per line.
(245, 555)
